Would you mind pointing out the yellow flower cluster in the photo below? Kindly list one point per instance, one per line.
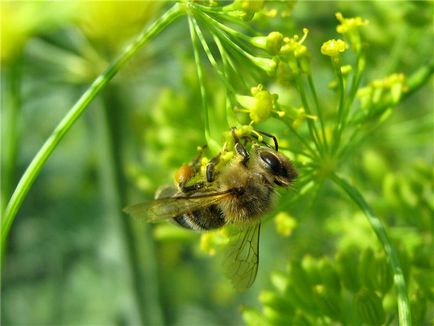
(260, 105)
(333, 48)
(349, 25)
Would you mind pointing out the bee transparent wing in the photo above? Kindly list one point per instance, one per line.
(241, 257)
(166, 208)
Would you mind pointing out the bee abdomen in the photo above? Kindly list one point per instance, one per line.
(208, 218)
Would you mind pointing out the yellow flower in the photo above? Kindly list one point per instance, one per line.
(349, 25)
(260, 105)
(333, 48)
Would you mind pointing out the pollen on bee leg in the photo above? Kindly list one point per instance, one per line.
(184, 174)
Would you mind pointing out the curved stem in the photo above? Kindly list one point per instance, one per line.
(380, 231)
(71, 117)
(11, 107)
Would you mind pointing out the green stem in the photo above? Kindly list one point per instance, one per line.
(211, 57)
(229, 67)
(419, 79)
(318, 109)
(302, 140)
(231, 117)
(212, 23)
(213, 145)
(311, 125)
(341, 108)
(11, 106)
(74, 113)
(378, 227)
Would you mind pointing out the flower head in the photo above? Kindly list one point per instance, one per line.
(259, 105)
(333, 48)
(350, 28)
(349, 25)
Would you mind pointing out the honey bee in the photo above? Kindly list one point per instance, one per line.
(238, 195)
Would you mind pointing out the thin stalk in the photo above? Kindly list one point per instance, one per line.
(355, 83)
(341, 108)
(11, 107)
(311, 126)
(223, 27)
(210, 141)
(318, 109)
(213, 23)
(301, 139)
(231, 118)
(228, 62)
(419, 79)
(380, 231)
(223, 14)
(210, 56)
(71, 117)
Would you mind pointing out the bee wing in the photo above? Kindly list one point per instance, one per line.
(166, 208)
(241, 257)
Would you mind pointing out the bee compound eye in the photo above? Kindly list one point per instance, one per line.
(272, 162)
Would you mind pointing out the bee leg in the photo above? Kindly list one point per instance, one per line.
(276, 145)
(210, 168)
(194, 187)
(239, 148)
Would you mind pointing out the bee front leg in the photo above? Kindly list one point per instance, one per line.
(239, 148)
(210, 168)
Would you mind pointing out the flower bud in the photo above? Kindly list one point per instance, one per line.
(268, 65)
(349, 25)
(300, 287)
(329, 275)
(259, 106)
(276, 302)
(418, 308)
(274, 42)
(327, 302)
(347, 263)
(369, 307)
(333, 48)
(366, 268)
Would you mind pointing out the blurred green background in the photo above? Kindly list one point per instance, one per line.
(73, 257)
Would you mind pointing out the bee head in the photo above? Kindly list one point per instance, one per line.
(277, 165)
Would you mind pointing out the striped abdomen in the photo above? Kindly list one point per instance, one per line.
(204, 219)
